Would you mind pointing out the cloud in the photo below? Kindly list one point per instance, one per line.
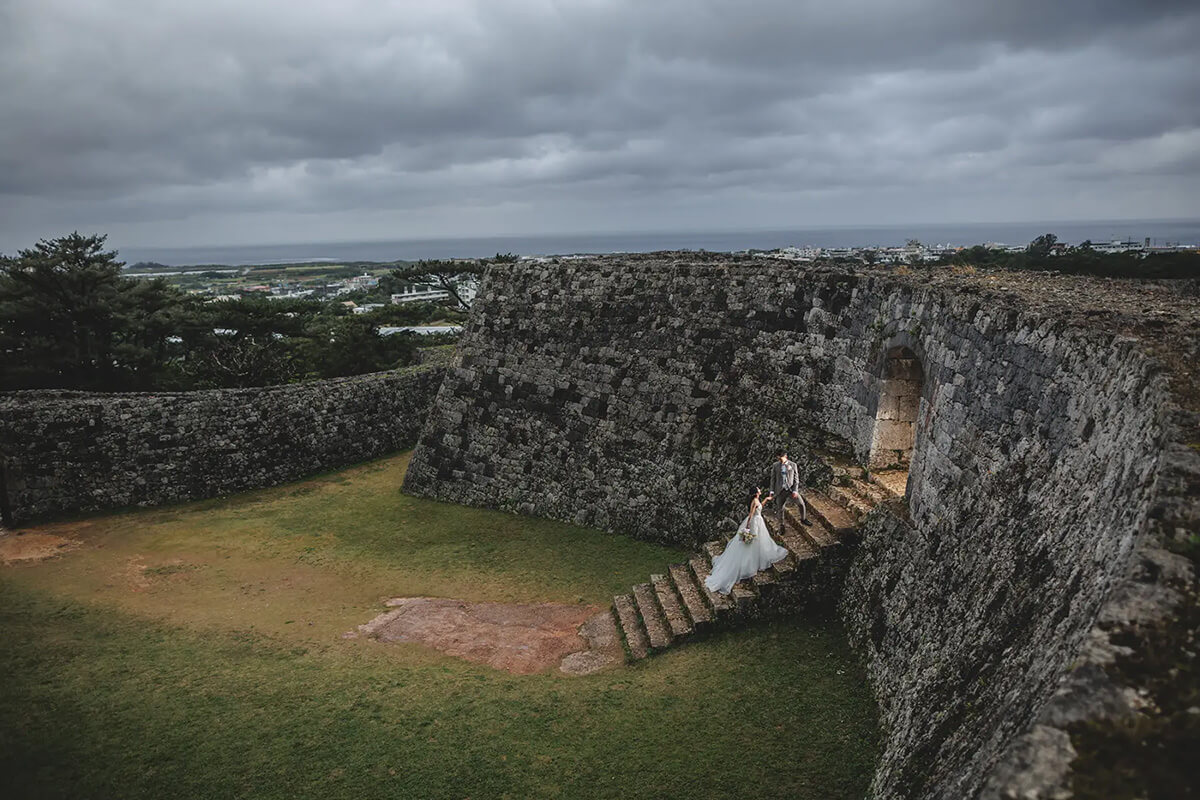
(167, 121)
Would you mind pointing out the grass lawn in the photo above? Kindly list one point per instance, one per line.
(195, 652)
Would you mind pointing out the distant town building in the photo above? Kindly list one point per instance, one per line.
(360, 282)
(468, 289)
(799, 253)
(420, 330)
(418, 293)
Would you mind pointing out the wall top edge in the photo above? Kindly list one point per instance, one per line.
(26, 395)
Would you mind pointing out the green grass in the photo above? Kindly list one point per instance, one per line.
(194, 652)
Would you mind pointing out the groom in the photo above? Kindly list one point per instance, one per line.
(785, 486)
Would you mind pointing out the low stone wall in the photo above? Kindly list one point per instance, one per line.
(65, 452)
(641, 395)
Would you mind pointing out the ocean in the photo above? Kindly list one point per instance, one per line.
(1160, 232)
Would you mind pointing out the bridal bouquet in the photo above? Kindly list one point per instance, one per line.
(746, 535)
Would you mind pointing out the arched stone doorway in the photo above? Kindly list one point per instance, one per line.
(900, 383)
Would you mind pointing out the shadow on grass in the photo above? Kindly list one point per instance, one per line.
(102, 704)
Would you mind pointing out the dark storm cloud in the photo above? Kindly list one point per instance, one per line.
(557, 113)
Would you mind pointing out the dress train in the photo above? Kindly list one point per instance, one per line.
(741, 559)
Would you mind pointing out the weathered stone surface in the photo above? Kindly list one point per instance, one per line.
(1039, 768)
(1048, 461)
(699, 566)
(872, 492)
(763, 579)
(631, 626)
(835, 516)
(743, 595)
(816, 532)
(519, 638)
(603, 643)
(586, 662)
(600, 632)
(652, 619)
(892, 481)
(799, 547)
(65, 452)
(784, 565)
(685, 584)
(850, 500)
(668, 600)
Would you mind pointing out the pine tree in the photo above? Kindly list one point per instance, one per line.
(69, 320)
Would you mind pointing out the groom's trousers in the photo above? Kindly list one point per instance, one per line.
(783, 498)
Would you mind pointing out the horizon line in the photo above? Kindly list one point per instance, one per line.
(662, 232)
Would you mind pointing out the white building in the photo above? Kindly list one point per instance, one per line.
(420, 330)
(468, 289)
(799, 253)
(364, 281)
(419, 293)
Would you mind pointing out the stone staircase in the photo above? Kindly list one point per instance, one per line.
(675, 606)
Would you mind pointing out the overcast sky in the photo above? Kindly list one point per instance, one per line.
(260, 121)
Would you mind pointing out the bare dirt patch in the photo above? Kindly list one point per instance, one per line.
(517, 638)
(19, 547)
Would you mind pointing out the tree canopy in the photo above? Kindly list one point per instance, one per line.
(69, 319)
(1045, 253)
(450, 276)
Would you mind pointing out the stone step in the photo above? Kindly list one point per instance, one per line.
(741, 593)
(744, 595)
(843, 465)
(784, 567)
(719, 602)
(847, 470)
(712, 550)
(601, 631)
(798, 545)
(763, 578)
(847, 498)
(892, 481)
(631, 627)
(837, 518)
(668, 601)
(652, 618)
(867, 490)
(816, 532)
(691, 594)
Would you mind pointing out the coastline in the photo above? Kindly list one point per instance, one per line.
(384, 252)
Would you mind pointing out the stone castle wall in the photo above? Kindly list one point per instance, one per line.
(640, 401)
(65, 452)
(642, 395)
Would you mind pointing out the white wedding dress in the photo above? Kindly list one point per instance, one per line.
(741, 560)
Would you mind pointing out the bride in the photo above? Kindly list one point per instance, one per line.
(750, 550)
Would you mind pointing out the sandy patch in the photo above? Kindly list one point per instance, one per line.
(133, 574)
(18, 547)
(517, 638)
